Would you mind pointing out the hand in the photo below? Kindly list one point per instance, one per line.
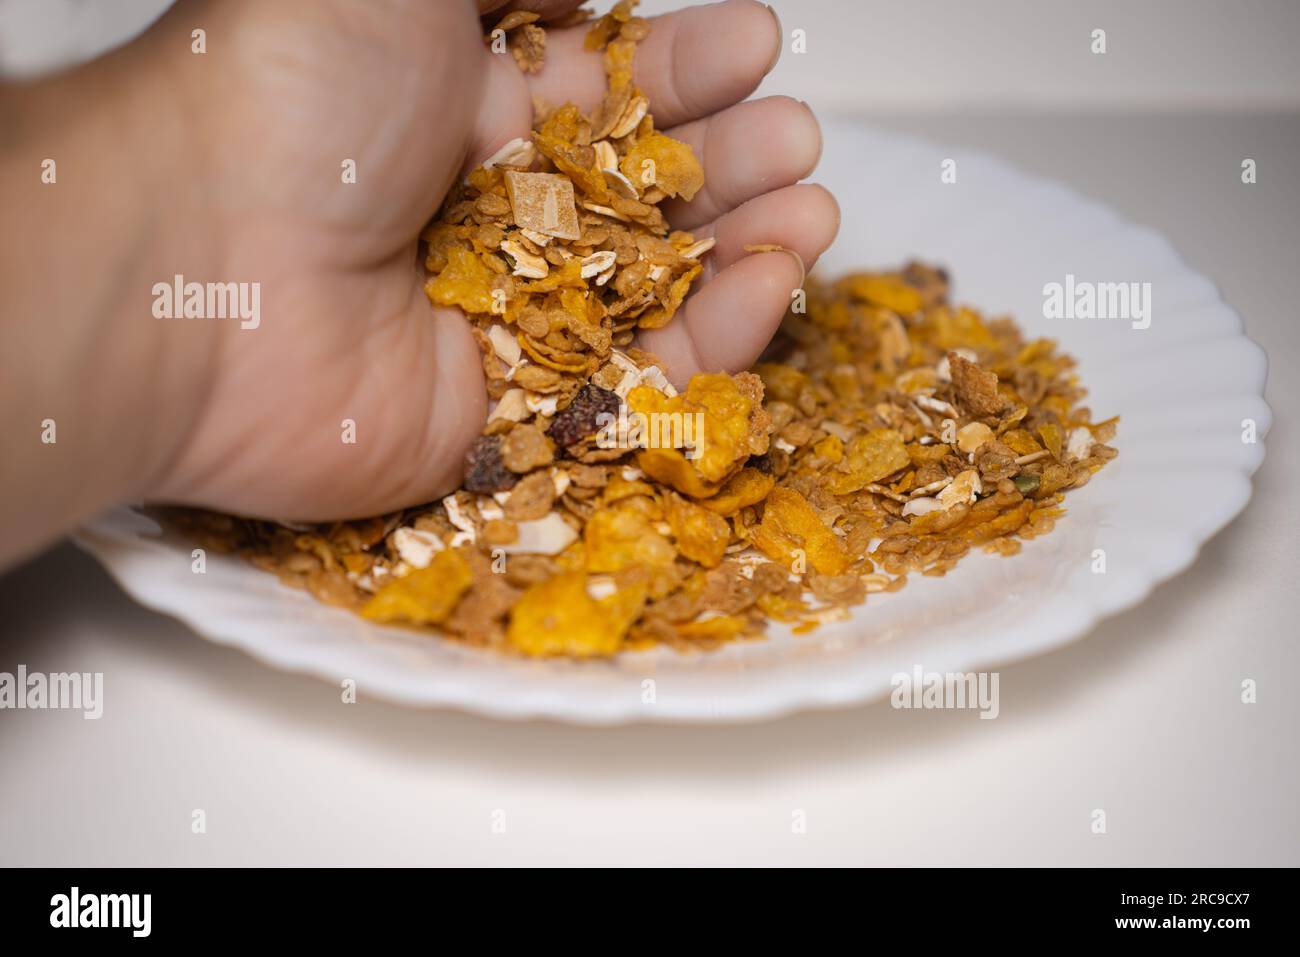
(288, 91)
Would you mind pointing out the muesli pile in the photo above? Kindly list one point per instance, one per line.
(885, 432)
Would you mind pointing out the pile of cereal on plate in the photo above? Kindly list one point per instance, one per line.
(885, 432)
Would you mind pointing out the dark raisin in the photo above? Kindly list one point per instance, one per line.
(761, 462)
(484, 470)
(582, 416)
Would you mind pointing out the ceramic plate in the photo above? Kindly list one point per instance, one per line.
(1183, 387)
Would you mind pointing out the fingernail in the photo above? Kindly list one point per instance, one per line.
(777, 248)
(780, 39)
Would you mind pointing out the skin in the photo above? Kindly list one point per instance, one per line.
(226, 167)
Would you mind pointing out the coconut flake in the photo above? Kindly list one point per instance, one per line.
(1079, 444)
(416, 547)
(504, 344)
(543, 536)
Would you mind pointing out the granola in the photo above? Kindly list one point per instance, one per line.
(885, 432)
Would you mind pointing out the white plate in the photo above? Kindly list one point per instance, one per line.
(1182, 386)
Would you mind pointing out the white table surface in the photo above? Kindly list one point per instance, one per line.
(1142, 718)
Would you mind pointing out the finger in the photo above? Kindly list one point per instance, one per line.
(747, 150)
(694, 62)
(803, 218)
(725, 324)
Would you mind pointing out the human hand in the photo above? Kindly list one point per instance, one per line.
(285, 93)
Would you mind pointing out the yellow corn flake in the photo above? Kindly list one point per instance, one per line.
(959, 328)
(1058, 405)
(1054, 477)
(608, 26)
(558, 617)
(617, 538)
(443, 236)
(927, 454)
(534, 350)
(659, 316)
(1052, 438)
(701, 535)
(793, 534)
(891, 292)
(487, 180)
(563, 124)
(570, 274)
(466, 282)
(675, 470)
(780, 608)
(725, 421)
(620, 488)
(781, 382)
(659, 160)
(576, 162)
(1035, 350)
(905, 483)
(830, 448)
(747, 487)
(870, 458)
(425, 596)
(1020, 442)
(917, 380)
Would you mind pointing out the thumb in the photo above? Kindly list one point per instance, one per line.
(427, 405)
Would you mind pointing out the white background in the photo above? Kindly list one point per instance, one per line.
(1142, 718)
(903, 55)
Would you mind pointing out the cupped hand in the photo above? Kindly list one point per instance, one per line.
(289, 94)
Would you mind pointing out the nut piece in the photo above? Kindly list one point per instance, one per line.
(544, 536)
(512, 406)
(536, 238)
(518, 152)
(971, 437)
(504, 344)
(526, 264)
(543, 202)
(597, 263)
(1079, 444)
(415, 547)
(962, 490)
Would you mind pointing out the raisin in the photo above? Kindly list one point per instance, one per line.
(761, 462)
(484, 469)
(581, 418)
